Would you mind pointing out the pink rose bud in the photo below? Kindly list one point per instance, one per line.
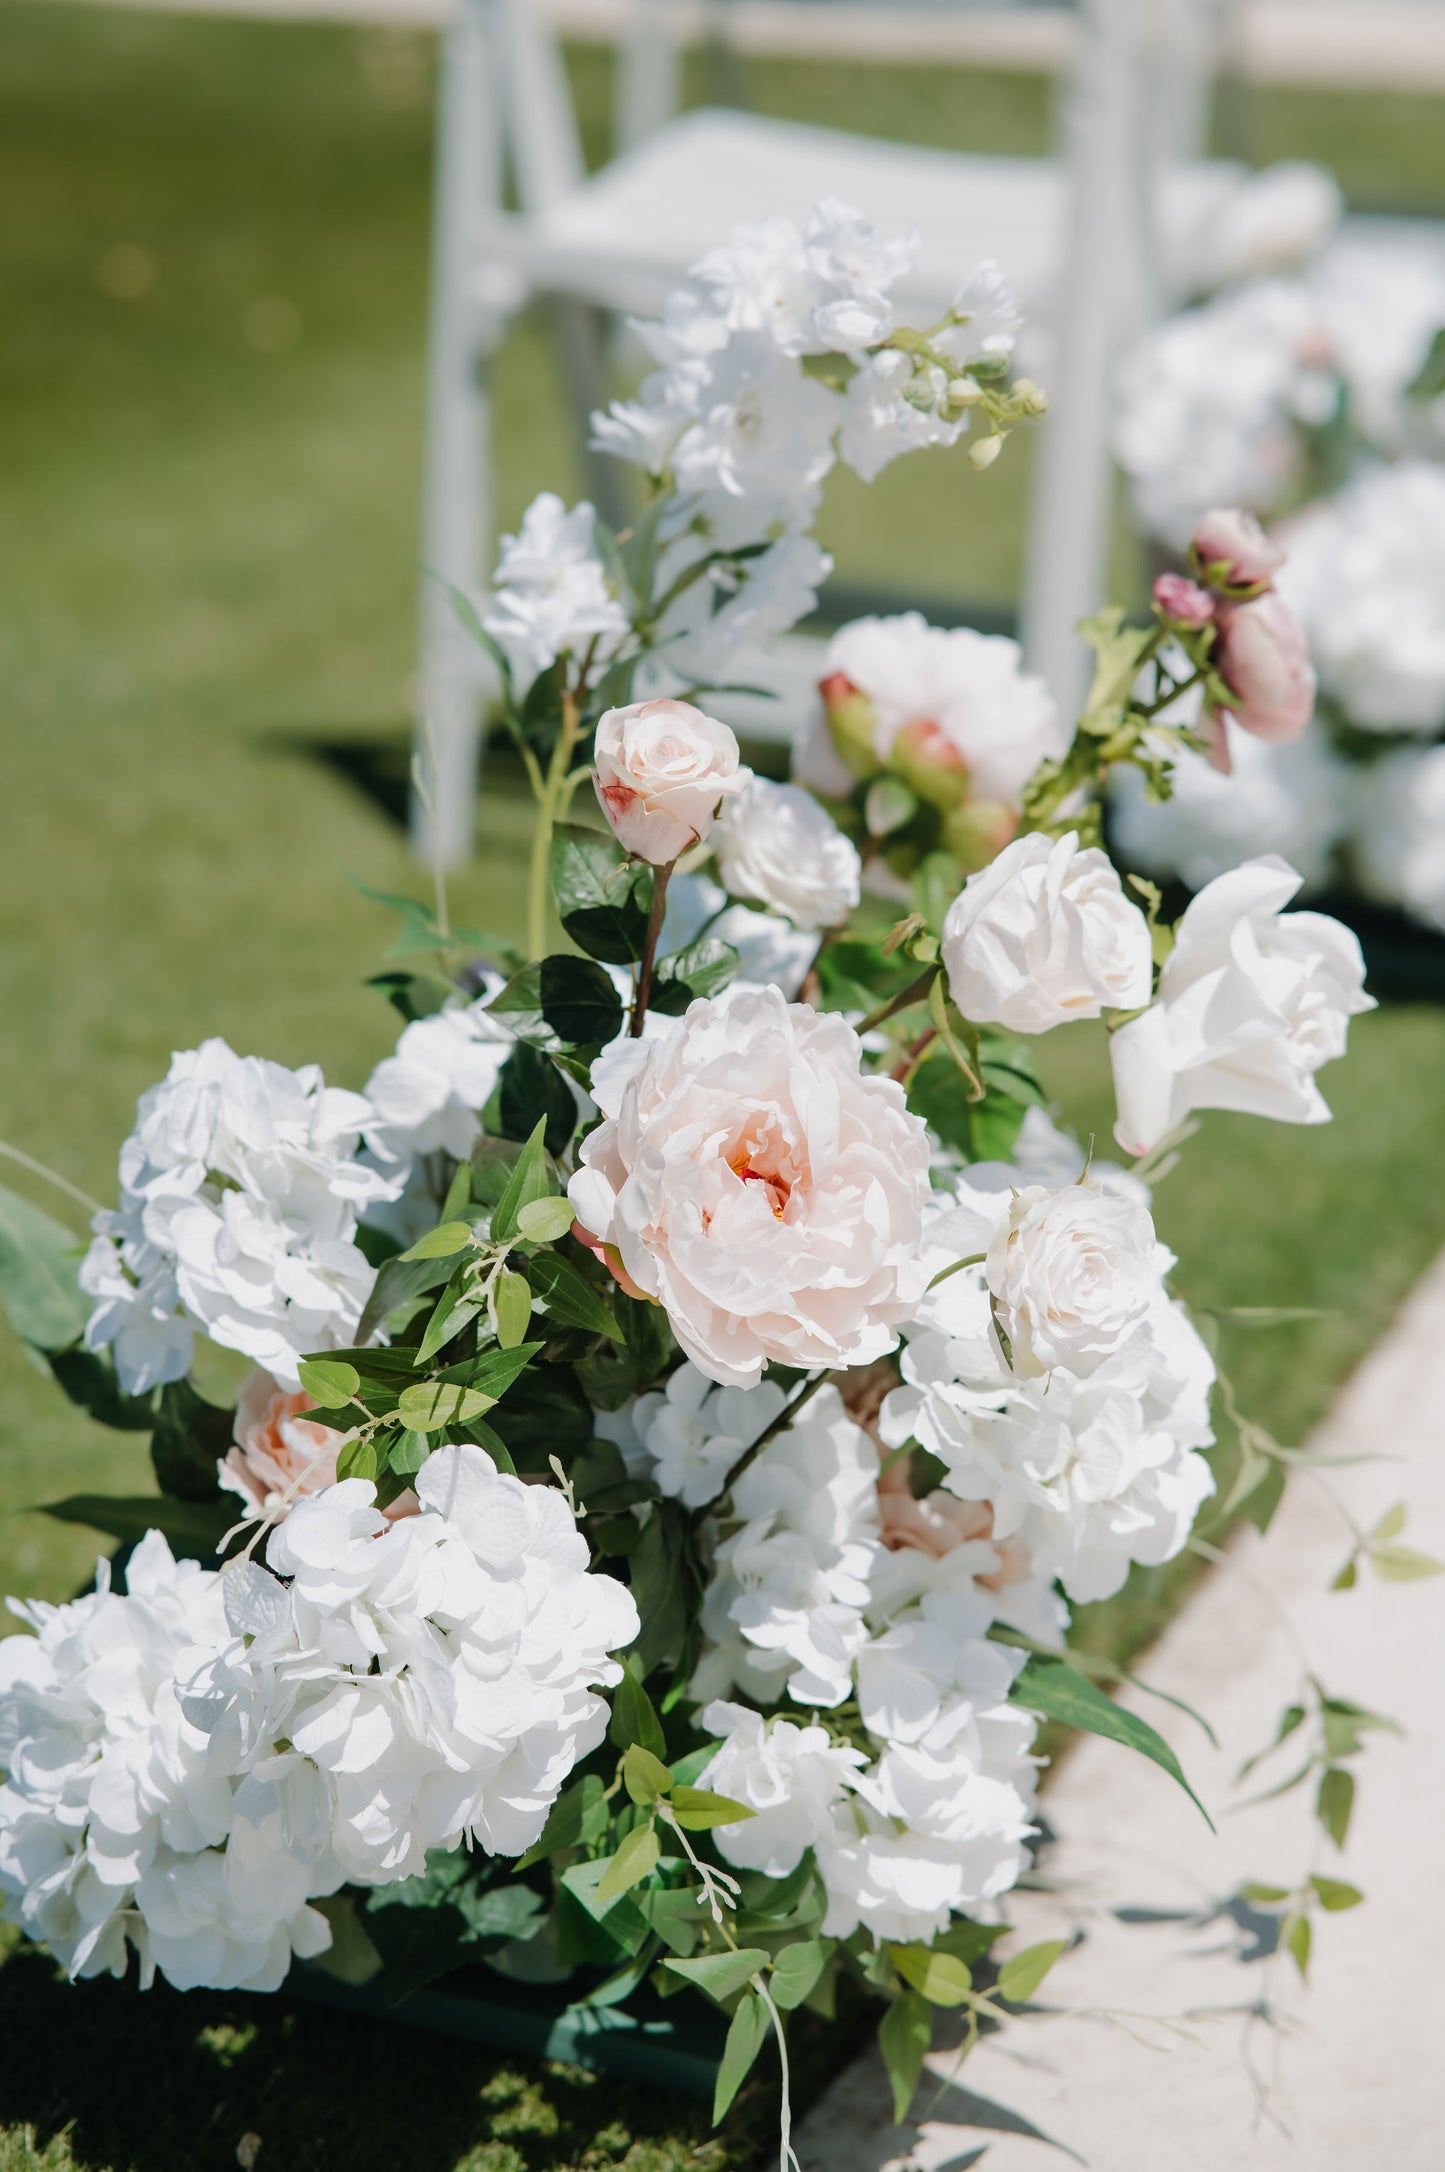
(1261, 656)
(1183, 600)
(850, 720)
(1232, 554)
(662, 771)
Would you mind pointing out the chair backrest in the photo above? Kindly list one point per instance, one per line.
(536, 111)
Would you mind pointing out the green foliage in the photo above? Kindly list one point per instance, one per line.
(941, 1978)
(330, 1382)
(721, 1975)
(530, 1080)
(443, 1242)
(1022, 1973)
(1062, 1692)
(644, 1776)
(602, 897)
(190, 1438)
(512, 1306)
(39, 1261)
(569, 1297)
(530, 1179)
(704, 969)
(1335, 1801)
(577, 1818)
(561, 1002)
(637, 1856)
(904, 2035)
(191, 1528)
(747, 2033)
(634, 1718)
(88, 1378)
(698, 1809)
(449, 1914)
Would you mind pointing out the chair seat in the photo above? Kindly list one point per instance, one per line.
(624, 237)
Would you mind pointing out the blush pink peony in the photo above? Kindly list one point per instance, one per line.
(750, 1178)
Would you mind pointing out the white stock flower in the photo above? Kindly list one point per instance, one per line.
(822, 290)
(1251, 1001)
(1364, 578)
(1398, 832)
(438, 1672)
(1290, 798)
(691, 1433)
(1071, 1273)
(879, 424)
(789, 1776)
(1045, 934)
(752, 1179)
(968, 688)
(728, 617)
(240, 1192)
(662, 769)
(552, 596)
(776, 844)
(117, 1826)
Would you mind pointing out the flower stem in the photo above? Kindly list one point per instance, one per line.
(660, 878)
(63, 1184)
(913, 993)
(555, 787)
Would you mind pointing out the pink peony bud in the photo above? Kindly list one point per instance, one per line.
(662, 770)
(851, 721)
(1183, 600)
(1232, 554)
(1261, 656)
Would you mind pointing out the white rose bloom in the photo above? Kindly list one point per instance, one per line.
(789, 1776)
(552, 596)
(753, 1180)
(240, 1193)
(1290, 798)
(776, 844)
(117, 1826)
(968, 687)
(1363, 577)
(1252, 1000)
(1072, 1273)
(662, 769)
(1045, 934)
(693, 1433)
(1398, 841)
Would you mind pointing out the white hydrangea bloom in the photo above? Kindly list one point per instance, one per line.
(776, 844)
(240, 1194)
(789, 1776)
(1363, 576)
(439, 1672)
(426, 1102)
(551, 595)
(118, 1825)
(689, 1434)
(1397, 843)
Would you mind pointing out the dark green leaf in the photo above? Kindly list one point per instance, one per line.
(530, 1179)
(544, 1414)
(569, 1297)
(661, 1573)
(602, 897)
(456, 1308)
(904, 2035)
(407, 1453)
(634, 1718)
(530, 1081)
(425, 1925)
(579, 1815)
(589, 1929)
(88, 1378)
(1060, 1692)
(39, 1262)
(397, 1282)
(190, 1438)
(193, 1529)
(747, 2033)
(561, 1002)
(492, 1373)
(414, 995)
(703, 969)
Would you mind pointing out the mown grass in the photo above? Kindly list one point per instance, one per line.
(210, 407)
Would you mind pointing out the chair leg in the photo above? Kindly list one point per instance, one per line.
(582, 336)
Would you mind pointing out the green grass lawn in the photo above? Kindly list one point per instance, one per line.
(210, 407)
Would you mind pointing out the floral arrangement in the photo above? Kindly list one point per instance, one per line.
(1317, 402)
(624, 1472)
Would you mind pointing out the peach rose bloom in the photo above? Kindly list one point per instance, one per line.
(280, 1455)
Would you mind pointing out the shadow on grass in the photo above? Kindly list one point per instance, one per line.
(170, 2082)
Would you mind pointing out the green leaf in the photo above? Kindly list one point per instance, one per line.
(663, 1579)
(544, 1221)
(442, 1242)
(703, 969)
(569, 1297)
(190, 1438)
(359, 1459)
(1291, 1717)
(698, 1809)
(1060, 1692)
(1402, 1564)
(1297, 1944)
(1266, 1896)
(456, 1308)
(88, 1378)
(602, 897)
(407, 1454)
(1334, 1894)
(330, 1382)
(797, 1968)
(39, 1263)
(1335, 1801)
(544, 1414)
(635, 1860)
(193, 1529)
(529, 1180)
(424, 1925)
(644, 1776)
(561, 1002)
(579, 1815)
(492, 1373)
(397, 1282)
(1021, 1975)
(939, 1977)
(633, 1716)
(747, 2033)
(512, 1303)
(431, 1404)
(904, 2035)
(721, 1975)
(531, 1081)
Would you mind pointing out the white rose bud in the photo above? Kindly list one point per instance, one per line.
(1072, 1274)
(662, 770)
(1045, 934)
(1252, 1000)
(776, 844)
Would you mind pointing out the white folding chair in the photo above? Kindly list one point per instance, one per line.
(1067, 233)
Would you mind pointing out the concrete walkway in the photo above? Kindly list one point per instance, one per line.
(1347, 2076)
